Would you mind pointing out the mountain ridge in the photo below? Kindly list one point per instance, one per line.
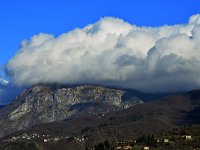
(41, 104)
(157, 117)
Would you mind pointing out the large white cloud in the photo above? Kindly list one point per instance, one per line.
(113, 52)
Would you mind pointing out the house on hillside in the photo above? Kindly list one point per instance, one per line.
(127, 147)
(166, 141)
(46, 140)
(146, 148)
(118, 148)
(188, 137)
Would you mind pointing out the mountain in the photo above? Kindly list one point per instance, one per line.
(45, 103)
(157, 117)
(69, 113)
(3, 83)
(1, 106)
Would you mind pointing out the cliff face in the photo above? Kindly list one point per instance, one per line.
(42, 104)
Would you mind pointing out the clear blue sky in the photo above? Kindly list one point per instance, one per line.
(20, 19)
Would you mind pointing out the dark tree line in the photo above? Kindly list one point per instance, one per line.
(149, 140)
(103, 146)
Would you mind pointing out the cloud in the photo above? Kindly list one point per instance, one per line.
(116, 53)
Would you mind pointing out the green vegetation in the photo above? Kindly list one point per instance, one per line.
(103, 146)
(137, 147)
(176, 139)
(147, 140)
(22, 146)
(135, 117)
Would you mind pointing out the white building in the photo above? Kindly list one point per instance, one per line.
(146, 148)
(188, 137)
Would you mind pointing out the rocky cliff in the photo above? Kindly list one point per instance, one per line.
(42, 104)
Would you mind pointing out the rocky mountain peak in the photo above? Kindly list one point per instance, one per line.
(45, 103)
(37, 88)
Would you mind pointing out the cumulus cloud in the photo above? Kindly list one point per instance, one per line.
(116, 53)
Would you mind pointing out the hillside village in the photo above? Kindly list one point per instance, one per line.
(183, 138)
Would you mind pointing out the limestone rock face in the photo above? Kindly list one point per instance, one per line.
(42, 104)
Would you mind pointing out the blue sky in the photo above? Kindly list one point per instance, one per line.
(21, 19)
